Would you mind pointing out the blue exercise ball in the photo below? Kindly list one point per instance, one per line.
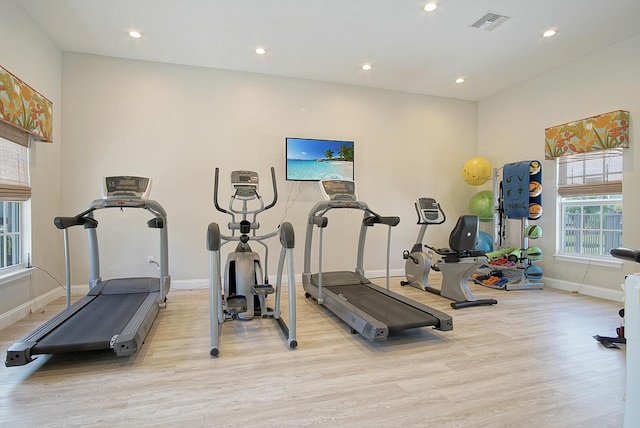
(533, 272)
(485, 242)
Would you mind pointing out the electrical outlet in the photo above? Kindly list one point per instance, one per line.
(150, 260)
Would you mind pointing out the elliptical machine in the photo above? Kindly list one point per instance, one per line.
(246, 284)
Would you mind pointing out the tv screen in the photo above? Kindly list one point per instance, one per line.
(313, 160)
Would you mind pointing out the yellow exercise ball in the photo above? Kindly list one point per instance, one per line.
(477, 171)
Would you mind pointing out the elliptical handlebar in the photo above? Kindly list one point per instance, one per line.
(215, 191)
(259, 210)
(275, 189)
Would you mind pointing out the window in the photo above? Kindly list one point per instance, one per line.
(590, 193)
(15, 192)
(10, 236)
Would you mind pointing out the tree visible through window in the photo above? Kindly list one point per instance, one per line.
(10, 251)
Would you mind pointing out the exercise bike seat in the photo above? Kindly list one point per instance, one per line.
(462, 240)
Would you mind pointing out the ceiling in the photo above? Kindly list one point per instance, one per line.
(409, 49)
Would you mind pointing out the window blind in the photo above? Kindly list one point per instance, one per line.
(592, 173)
(14, 174)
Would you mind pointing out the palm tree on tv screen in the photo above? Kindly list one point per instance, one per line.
(346, 152)
(328, 154)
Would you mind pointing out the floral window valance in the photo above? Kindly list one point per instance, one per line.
(605, 131)
(23, 107)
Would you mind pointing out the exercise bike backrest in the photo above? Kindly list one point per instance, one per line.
(244, 185)
(626, 254)
(464, 236)
(462, 240)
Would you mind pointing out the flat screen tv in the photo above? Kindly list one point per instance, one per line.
(313, 160)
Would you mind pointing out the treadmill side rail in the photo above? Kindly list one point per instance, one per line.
(446, 321)
(369, 327)
(132, 337)
(19, 354)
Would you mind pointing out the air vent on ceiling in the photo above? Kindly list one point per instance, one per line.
(489, 21)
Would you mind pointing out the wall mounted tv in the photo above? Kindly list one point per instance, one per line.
(313, 160)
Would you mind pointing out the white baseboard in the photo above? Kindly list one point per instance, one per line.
(381, 273)
(589, 290)
(192, 284)
(189, 284)
(25, 309)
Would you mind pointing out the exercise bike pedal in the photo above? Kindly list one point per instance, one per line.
(262, 289)
(236, 304)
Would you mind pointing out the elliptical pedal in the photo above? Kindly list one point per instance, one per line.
(236, 304)
(262, 289)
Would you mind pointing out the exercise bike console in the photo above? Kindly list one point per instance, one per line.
(429, 211)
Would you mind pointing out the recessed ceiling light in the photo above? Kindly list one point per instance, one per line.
(431, 6)
(460, 80)
(366, 67)
(261, 51)
(135, 34)
(549, 33)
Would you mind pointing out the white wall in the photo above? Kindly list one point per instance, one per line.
(177, 123)
(30, 55)
(511, 128)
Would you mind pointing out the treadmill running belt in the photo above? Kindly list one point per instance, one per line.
(93, 327)
(394, 313)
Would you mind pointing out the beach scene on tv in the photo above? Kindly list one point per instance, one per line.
(319, 159)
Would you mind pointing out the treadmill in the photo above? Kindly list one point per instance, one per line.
(368, 309)
(117, 313)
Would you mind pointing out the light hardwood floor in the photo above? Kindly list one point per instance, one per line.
(529, 361)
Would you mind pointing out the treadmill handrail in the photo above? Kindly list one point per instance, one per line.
(626, 254)
(67, 222)
(318, 212)
(86, 218)
(376, 219)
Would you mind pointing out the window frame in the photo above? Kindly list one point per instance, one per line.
(586, 192)
(10, 273)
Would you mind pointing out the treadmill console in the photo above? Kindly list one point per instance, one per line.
(338, 190)
(244, 184)
(127, 186)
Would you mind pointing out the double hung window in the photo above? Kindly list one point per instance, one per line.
(590, 202)
(15, 192)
